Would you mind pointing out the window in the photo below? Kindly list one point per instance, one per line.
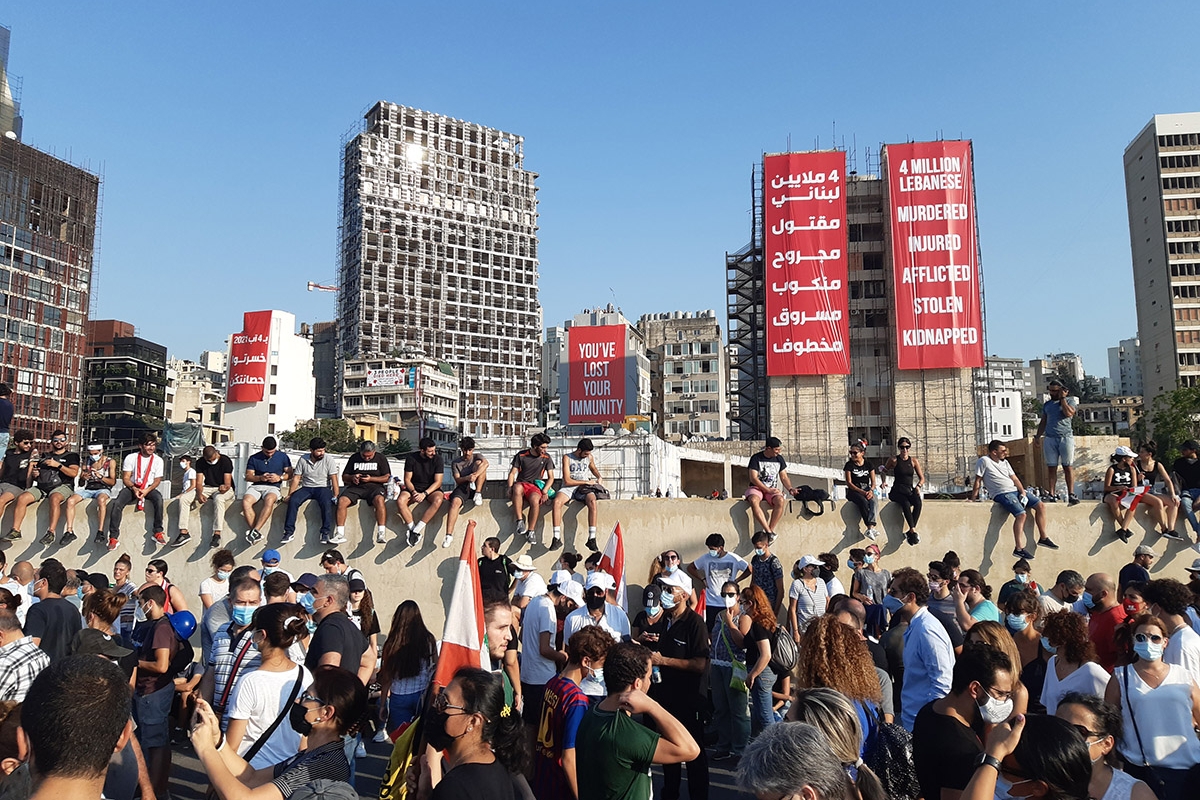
(1007, 430)
(1006, 402)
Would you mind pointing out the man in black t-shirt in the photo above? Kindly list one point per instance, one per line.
(768, 481)
(529, 468)
(1187, 479)
(15, 478)
(214, 485)
(338, 641)
(860, 487)
(423, 475)
(365, 478)
(495, 571)
(52, 621)
(53, 476)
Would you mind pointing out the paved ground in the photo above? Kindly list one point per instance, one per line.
(188, 781)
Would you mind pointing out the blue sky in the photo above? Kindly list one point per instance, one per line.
(217, 129)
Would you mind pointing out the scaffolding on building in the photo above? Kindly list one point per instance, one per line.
(745, 286)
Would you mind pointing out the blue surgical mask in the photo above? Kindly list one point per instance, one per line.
(1049, 648)
(651, 610)
(868, 559)
(242, 615)
(667, 601)
(269, 570)
(306, 600)
(892, 603)
(223, 574)
(312, 626)
(714, 553)
(1022, 577)
(1017, 622)
(1088, 601)
(758, 551)
(1148, 651)
(670, 568)
(79, 592)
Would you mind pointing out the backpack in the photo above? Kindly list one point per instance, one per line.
(183, 657)
(784, 655)
(889, 755)
(807, 494)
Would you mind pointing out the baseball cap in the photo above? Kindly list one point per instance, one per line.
(652, 595)
(559, 576)
(1124, 451)
(600, 580)
(1195, 567)
(307, 580)
(270, 555)
(358, 585)
(809, 561)
(91, 642)
(572, 591)
(98, 580)
(524, 563)
(1144, 550)
(677, 578)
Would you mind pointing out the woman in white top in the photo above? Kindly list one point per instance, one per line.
(1160, 707)
(1073, 666)
(215, 588)
(1100, 725)
(828, 573)
(261, 696)
(807, 597)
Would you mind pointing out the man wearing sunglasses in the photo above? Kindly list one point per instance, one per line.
(52, 476)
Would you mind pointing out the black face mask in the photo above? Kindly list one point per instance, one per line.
(435, 730)
(299, 724)
(594, 603)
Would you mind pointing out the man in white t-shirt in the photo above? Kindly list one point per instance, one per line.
(540, 659)
(529, 584)
(141, 473)
(596, 610)
(996, 475)
(715, 568)
(1169, 600)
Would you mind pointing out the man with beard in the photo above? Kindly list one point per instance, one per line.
(315, 478)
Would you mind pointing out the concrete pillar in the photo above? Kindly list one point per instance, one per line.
(727, 468)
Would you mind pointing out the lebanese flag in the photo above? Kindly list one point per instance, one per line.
(612, 561)
(462, 638)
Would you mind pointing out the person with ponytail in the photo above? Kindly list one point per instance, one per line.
(832, 713)
(484, 742)
(333, 706)
(264, 696)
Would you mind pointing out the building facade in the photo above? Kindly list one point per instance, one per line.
(288, 387)
(125, 385)
(439, 255)
(324, 342)
(689, 374)
(1162, 190)
(1113, 415)
(1125, 368)
(554, 360)
(406, 398)
(634, 372)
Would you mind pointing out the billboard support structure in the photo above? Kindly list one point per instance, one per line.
(744, 281)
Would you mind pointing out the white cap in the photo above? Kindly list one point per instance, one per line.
(677, 578)
(95, 448)
(809, 561)
(600, 580)
(524, 563)
(572, 591)
(1124, 451)
(559, 576)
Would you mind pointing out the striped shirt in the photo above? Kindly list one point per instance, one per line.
(20, 663)
(225, 652)
(327, 762)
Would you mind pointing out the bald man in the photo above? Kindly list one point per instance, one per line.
(1105, 614)
(852, 613)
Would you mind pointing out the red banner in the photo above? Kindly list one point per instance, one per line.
(248, 355)
(804, 246)
(939, 320)
(596, 373)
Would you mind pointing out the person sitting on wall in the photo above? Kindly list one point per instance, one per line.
(365, 477)
(469, 472)
(53, 477)
(581, 481)
(141, 473)
(266, 471)
(424, 471)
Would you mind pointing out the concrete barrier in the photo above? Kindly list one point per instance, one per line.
(978, 532)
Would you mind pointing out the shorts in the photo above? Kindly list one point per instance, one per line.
(10, 488)
(465, 492)
(530, 489)
(532, 696)
(63, 490)
(754, 491)
(92, 494)
(151, 713)
(1010, 502)
(260, 490)
(367, 492)
(1059, 450)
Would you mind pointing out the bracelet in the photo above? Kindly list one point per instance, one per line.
(984, 760)
(221, 743)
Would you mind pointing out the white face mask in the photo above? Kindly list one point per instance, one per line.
(731, 602)
(995, 711)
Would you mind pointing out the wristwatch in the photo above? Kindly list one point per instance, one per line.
(983, 759)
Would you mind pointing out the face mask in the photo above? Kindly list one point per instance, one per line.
(590, 573)
(892, 603)
(1088, 601)
(1131, 609)
(594, 603)
(223, 574)
(868, 559)
(1022, 577)
(668, 601)
(435, 731)
(296, 717)
(94, 457)
(139, 615)
(996, 711)
(651, 610)
(1049, 648)
(714, 553)
(242, 615)
(312, 627)
(306, 600)
(597, 675)
(758, 551)
(270, 570)
(1192, 460)
(1017, 622)
(670, 569)
(1148, 651)
(183, 465)
(79, 592)
(730, 602)
(935, 587)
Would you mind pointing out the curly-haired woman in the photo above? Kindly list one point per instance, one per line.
(1073, 666)
(833, 656)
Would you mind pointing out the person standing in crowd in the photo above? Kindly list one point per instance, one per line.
(993, 634)
(337, 641)
(214, 588)
(53, 477)
(614, 753)
(141, 473)
(1105, 614)
(122, 584)
(424, 472)
(972, 600)
(1096, 719)
(869, 585)
(1022, 581)
(770, 770)
(928, 654)
(807, 596)
(1169, 600)
(316, 479)
(564, 704)
(154, 688)
(214, 485)
(99, 476)
(156, 575)
(266, 471)
(645, 626)
(541, 659)
(768, 482)
(581, 482)
(731, 706)
(1138, 570)
(529, 584)
(366, 478)
(860, 487)
(409, 659)
(828, 573)
(14, 479)
(1186, 470)
(362, 612)
(714, 569)
(682, 660)
(531, 474)
(1072, 667)
(1065, 595)
(766, 571)
(907, 480)
(469, 473)
(21, 659)
(185, 501)
(760, 676)
(833, 714)
(1039, 750)
(232, 653)
(834, 656)
(334, 563)
(1058, 440)
(994, 473)
(597, 611)
(52, 621)
(1160, 708)
(496, 571)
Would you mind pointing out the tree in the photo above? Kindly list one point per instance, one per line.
(337, 433)
(397, 448)
(1031, 415)
(1174, 419)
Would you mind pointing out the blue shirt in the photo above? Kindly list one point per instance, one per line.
(261, 465)
(928, 665)
(1058, 424)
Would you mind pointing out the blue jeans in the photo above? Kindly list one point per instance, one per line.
(1011, 502)
(402, 708)
(324, 497)
(762, 712)
(1187, 497)
(731, 711)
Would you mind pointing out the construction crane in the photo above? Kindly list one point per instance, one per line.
(321, 287)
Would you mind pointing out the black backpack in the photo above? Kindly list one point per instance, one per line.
(807, 494)
(183, 657)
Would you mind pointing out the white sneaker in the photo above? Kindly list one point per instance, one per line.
(337, 538)
(380, 536)
(531, 537)
(380, 736)
(447, 540)
(872, 534)
(478, 499)
(360, 751)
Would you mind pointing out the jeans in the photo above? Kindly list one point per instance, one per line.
(4, 441)
(909, 500)
(153, 499)
(324, 497)
(731, 711)
(697, 768)
(866, 506)
(761, 707)
(1187, 498)
(402, 708)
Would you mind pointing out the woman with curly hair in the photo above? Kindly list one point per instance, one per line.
(833, 656)
(1073, 666)
(995, 634)
(757, 643)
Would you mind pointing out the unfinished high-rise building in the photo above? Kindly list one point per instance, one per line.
(439, 258)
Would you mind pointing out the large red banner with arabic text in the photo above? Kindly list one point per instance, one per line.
(804, 247)
(939, 319)
(596, 373)
(248, 356)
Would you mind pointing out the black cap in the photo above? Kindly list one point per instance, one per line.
(91, 642)
(358, 585)
(652, 595)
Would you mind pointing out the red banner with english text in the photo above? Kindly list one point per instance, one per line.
(596, 374)
(249, 352)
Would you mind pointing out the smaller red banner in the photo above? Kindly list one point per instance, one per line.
(248, 355)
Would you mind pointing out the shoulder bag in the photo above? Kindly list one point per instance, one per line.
(738, 680)
(287, 707)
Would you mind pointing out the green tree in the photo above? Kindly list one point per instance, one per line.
(1031, 415)
(1174, 419)
(397, 448)
(337, 433)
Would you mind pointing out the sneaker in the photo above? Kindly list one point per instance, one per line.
(253, 536)
(160, 537)
(48, 537)
(183, 538)
(1123, 535)
(724, 755)
(12, 535)
(415, 538)
(912, 538)
(447, 540)
(287, 537)
(1072, 500)
(872, 534)
(68, 537)
(771, 537)
(521, 527)
(337, 538)
(478, 499)
(380, 736)
(1173, 534)
(591, 544)
(360, 751)
(531, 537)
(1021, 552)
(556, 543)
(381, 537)
(215, 542)
(324, 538)
(112, 544)
(1049, 498)
(99, 538)
(1047, 543)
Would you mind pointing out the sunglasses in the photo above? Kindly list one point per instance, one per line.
(151, 571)
(305, 697)
(728, 594)
(1147, 637)
(442, 701)
(905, 446)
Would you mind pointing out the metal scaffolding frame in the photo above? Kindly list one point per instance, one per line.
(745, 287)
